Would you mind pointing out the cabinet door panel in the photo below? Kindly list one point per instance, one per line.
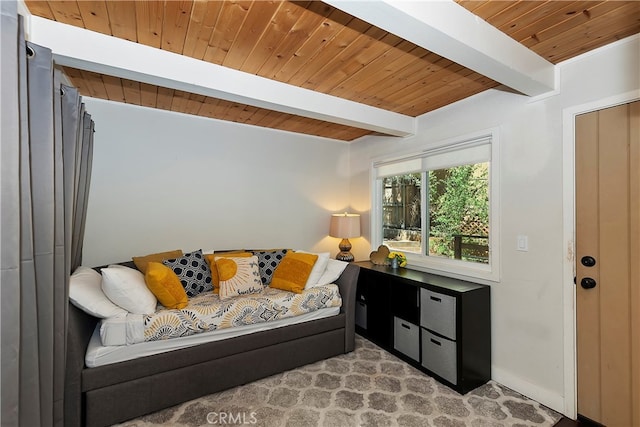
(439, 356)
(438, 313)
(406, 338)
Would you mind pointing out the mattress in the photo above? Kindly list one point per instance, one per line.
(207, 312)
(100, 355)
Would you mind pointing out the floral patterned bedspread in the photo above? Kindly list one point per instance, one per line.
(206, 312)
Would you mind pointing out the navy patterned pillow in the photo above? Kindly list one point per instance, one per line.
(267, 262)
(193, 271)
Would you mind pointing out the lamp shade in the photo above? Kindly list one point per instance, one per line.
(345, 225)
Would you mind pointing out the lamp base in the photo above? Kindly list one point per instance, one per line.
(345, 255)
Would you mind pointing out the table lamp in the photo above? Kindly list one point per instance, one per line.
(345, 226)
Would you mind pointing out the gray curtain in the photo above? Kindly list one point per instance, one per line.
(45, 165)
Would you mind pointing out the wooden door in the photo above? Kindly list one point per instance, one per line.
(608, 230)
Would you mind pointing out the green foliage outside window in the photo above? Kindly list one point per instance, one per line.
(459, 210)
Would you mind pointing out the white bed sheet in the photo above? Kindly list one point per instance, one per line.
(99, 355)
(122, 330)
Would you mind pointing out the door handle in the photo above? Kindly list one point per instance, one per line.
(588, 261)
(588, 283)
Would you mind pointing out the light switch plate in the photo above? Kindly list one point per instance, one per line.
(522, 243)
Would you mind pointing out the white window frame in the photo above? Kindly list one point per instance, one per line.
(419, 162)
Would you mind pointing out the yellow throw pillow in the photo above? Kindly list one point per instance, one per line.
(238, 276)
(142, 261)
(165, 285)
(293, 271)
(211, 259)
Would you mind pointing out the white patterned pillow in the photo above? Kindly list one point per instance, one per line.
(193, 271)
(267, 262)
(238, 276)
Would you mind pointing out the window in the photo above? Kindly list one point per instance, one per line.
(436, 207)
(459, 212)
(402, 212)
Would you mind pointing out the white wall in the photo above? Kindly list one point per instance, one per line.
(527, 303)
(164, 180)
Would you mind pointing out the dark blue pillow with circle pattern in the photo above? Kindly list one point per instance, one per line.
(267, 263)
(193, 271)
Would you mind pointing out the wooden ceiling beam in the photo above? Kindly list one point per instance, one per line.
(451, 31)
(94, 52)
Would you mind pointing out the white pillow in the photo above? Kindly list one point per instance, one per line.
(85, 292)
(334, 270)
(126, 287)
(318, 268)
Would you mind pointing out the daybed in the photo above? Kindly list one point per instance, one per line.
(113, 393)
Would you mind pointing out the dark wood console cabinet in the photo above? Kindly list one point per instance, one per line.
(440, 325)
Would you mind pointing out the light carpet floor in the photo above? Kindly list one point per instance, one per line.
(368, 387)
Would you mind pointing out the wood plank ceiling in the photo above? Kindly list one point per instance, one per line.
(318, 47)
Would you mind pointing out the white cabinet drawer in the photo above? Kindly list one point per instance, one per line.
(439, 356)
(438, 313)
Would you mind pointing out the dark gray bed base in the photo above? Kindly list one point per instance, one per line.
(114, 393)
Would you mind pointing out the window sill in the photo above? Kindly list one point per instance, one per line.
(481, 273)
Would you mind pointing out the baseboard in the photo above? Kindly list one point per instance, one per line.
(544, 396)
(587, 422)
